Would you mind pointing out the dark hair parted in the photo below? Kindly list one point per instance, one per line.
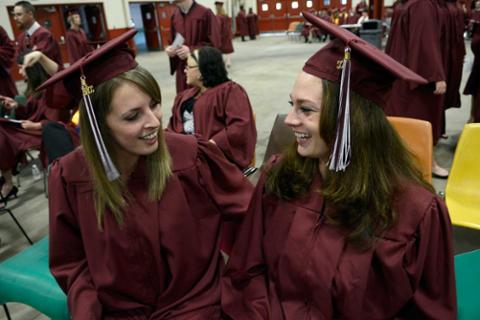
(211, 66)
(36, 75)
(27, 6)
(362, 195)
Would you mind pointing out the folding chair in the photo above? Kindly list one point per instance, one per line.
(10, 213)
(463, 185)
(26, 278)
(417, 136)
(467, 274)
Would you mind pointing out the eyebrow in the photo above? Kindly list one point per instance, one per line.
(303, 100)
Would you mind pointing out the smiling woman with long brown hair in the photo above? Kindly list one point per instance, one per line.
(136, 213)
(342, 224)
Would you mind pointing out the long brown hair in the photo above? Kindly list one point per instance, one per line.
(113, 194)
(362, 194)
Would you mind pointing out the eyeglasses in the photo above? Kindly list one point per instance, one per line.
(190, 67)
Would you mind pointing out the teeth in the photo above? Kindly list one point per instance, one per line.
(149, 136)
(302, 135)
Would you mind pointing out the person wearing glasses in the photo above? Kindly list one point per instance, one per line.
(215, 107)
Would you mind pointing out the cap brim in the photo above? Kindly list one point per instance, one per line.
(366, 49)
(92, 56)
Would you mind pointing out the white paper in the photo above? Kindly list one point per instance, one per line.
(178, 42)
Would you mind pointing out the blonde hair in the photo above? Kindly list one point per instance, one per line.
(114, 195)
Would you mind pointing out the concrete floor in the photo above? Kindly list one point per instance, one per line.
(267, 69)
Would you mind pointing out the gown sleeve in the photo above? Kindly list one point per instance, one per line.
(245, 280)
(429, 263)
(225, 183)
(68, 264)
(237, 140)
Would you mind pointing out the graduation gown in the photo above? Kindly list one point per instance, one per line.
(242, 25)
(42, 40)
(224, 114)
(77, 44)
(252, 24)
(415, 41)
(14, 140)
(164, 262)
(454, 47)
(473, 83)
(7, 55)
(200, 28)
(226, 33)
(289, 263)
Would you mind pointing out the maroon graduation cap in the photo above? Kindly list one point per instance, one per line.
(81, 78)
(358, 66)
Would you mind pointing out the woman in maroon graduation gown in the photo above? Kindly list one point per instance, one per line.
(473, 83)
(216, 108)
(14, 140)
(358, 235)
(135, 213)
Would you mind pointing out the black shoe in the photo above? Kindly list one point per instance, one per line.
(12, 194)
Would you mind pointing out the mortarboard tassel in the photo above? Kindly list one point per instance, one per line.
(108, 165)
(340, 157)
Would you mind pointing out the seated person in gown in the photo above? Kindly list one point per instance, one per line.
(14, 140)
(215, 107)
(136, 212)
(342, 224)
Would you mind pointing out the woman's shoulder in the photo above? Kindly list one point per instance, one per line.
(412, 204)
(183, 150)
(73, 167)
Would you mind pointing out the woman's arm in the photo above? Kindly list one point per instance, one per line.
(68, 262)
(33, 57)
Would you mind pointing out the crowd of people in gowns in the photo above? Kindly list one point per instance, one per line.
(139, 214)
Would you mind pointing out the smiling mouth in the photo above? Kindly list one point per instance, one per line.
(150, 136)
(301, 135)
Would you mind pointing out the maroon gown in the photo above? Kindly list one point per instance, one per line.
(473, 83)
(455, 53)
(164, 262)
(289, 263)
(77, 44)
(7, 56)
(41, 40)
(14, 140)
(252, 22)
(226, 32)
(224, 114)
(415, 41)
(200, 28)
(242, 25)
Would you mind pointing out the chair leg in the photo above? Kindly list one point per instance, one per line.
(18, 225)
(6, 311)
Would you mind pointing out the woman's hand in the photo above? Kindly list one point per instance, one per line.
(33, 57)
(30, 125)
(8, 103)
(183, 52)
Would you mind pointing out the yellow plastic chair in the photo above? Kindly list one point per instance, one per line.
(417, 136)
(463, 185)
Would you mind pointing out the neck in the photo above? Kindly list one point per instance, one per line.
(126, 165)
(28, 26)
(75, 27)
(323, 168)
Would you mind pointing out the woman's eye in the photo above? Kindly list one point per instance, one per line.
(154, 104)
(305, 109)
(131, 116)
(290, 102)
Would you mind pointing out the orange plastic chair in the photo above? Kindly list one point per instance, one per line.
(463, 186)
(417, 136)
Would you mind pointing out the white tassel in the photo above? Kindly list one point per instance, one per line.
(108, 165)
(340, 157)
